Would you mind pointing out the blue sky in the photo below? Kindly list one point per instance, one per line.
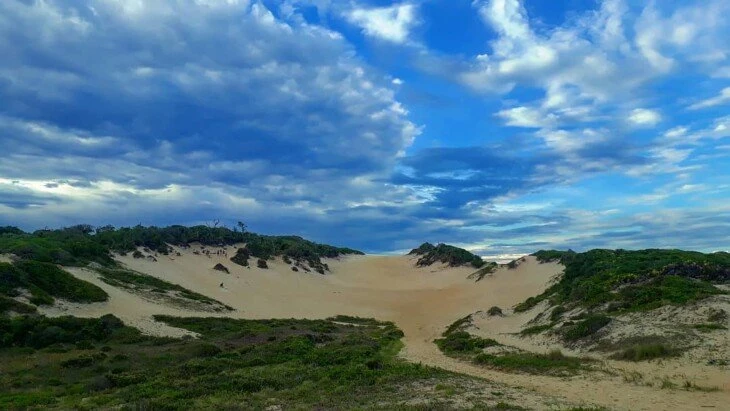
(502, 126)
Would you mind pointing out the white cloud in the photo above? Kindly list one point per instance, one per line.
(386, 23)
(527, 117)
(722, 98)
(643, 117)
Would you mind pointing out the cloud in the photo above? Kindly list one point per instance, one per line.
(643, 117)
(153, 94)
(722, 98)
(386, 23)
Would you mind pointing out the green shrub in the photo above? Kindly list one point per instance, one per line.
(710, 327)
(536, 329)
(463, 342)
(532, 363)
(586, 327)
(646, 352)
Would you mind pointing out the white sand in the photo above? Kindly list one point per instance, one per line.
(421, 301)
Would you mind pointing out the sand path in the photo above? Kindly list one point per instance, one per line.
(421, 301)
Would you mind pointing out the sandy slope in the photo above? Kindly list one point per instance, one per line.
(421, 301)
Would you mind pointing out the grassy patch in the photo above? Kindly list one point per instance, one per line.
(646, 352)
(46, 281)
(158, 288)
(586, 327)
(710, 327)
(536, 329)
(461, 342)
(552, 363)
(479, 275)
(633, 280)
(247, 364)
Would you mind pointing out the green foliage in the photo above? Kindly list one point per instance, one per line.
(146, 283)
(82, 244)
(72, 246)
(446, 254)
(488, 268)
(247, 364)
(39, 331)
(241, 257)
(461, 342)
(633, 280)
(552, 363)
(45, 281)
(536, 329)
(9, 304)
(494, 310)
(423, 249)
(645, 352)
(586, 327)
(710, 327)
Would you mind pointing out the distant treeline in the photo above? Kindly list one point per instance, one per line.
(82, 244)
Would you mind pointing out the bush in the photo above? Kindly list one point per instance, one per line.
(494, 311)
(553, 362)
(241, 257)
(261, 263)
(645, 352)
(586, 327)
(463, 342)
(537, 329)
(221, 267)
(137, 254)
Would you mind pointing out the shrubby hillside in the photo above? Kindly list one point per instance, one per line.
(445, 254)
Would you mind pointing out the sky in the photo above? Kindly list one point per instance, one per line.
(502, 126)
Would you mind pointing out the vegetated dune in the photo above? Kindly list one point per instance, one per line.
(422, 301)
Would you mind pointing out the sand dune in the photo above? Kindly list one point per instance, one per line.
(421, 301)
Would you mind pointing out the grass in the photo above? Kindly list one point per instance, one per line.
(45, 281)
(710, 327)
(554, 363)
(489, 268)
(585, 328)
(536, 329)
(646, 352)
(246, 364)
(633, 280)
(461, 342)
(158, 288)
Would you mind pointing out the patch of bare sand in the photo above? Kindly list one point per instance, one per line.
(421, 301)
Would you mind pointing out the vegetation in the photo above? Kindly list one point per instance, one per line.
(222, 268)
(40, 332)
(457, 342)
(633, 280)
(710, 327)
(584, 328)
(82, 244)
(159, 289)
(44, 281)
(446, 254)
(72, 363)
(553, 363)
(494, 310)
(535, 329)
(488, 268)
(645, 352)
(461, 342)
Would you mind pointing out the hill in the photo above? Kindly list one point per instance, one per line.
(445, 254)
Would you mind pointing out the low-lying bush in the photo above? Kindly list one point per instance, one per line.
(646, 352)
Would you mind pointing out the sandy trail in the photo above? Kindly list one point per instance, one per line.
(421, 301)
